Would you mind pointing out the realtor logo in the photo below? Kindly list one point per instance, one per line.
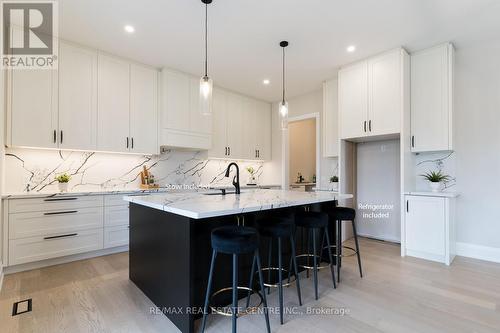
(29, 34)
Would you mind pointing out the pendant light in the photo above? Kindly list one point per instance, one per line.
(283, 106)
(206, 83)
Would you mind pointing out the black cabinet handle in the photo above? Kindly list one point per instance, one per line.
(60, 199)
(258, 153)
(364, 126)
(407, 206)
(225, 154)
(54, 136)
(60, 236)
(127, 142)
(61, 136)
(370, 125)
(413, 141)
(60, 213)
(132, 143)
(228, 151)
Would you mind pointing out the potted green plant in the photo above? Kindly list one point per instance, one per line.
(335, 183)
(435, 178)
(63, 180)
(251, 178)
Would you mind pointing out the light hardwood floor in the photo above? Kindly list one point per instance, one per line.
(396, 295)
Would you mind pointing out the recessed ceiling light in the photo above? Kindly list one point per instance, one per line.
(351, 48)
(128, 28)
(266, 82)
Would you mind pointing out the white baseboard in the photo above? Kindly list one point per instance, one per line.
(478, 252)
(63, 260)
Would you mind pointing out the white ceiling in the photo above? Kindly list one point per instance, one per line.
(244, 35)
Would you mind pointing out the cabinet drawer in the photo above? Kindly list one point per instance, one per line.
(22, 225)
(54, 203)
(115, 236)
(115, 215)
(40, 248)
(116, 200)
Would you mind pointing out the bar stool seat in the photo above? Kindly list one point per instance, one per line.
(311, 219)
(275, 227)
(235, 240)
(342, 214)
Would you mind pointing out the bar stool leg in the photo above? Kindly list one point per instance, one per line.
(280, 278)
(338, 248)
(315, 264)
(269, 265)
(261, 282)
(357, 247)
(250, 284)
(332, 269)
(209, 290)
(235, 291)
(297, 279)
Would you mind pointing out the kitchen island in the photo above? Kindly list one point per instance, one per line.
(170, 248)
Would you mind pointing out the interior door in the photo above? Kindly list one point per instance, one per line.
(77, 97)
(143, 109)
(219, 140)
(385, 94)
(353, 100)
(33, 108)
(425, 224)
(113, 104)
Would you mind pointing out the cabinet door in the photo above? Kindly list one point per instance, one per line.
(234, 125)
(431, 84)
(198, 123)
(330, 119)
(77, 97)
(143, 110)
(219, 141)
(33, 108)
(264, 131)
(353, 100)
(385, 94)
(425, 224)
(251, 128)
(175, 100)
(113, 104)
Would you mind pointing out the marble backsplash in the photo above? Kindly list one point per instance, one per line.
(35, 170)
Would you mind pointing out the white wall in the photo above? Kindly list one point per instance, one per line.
(477, 112)
(305, 104)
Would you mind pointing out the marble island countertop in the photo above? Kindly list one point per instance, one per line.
(204, 205)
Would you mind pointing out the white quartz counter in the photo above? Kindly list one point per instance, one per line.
(199, 205)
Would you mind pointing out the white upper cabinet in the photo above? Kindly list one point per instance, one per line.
(385, 93)
(77, 97)
(32, 109)
(241, 127)
(371, 95)
(432, 99)
(182, 124)
(353, 100)
(143, 109)
(113, 104)
(330, 119)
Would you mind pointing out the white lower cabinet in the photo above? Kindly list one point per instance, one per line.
(430, 228)
(45, 228)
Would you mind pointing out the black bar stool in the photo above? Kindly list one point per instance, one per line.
(278, 228)
(337, 215)
(235, 240)
(313, 222)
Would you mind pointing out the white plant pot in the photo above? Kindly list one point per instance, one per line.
(435, 186)
(251, 180)
(334, 186)
(63, 187)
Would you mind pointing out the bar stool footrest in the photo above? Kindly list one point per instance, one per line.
(227, 310)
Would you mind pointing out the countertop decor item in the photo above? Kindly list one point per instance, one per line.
(63, 180)
(148, 179)
(436, 178)
(251, 179)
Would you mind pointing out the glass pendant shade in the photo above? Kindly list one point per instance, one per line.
(283, 110)
(206, 90)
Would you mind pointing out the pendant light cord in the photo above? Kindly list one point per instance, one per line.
(283, 101)
(206, 40)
